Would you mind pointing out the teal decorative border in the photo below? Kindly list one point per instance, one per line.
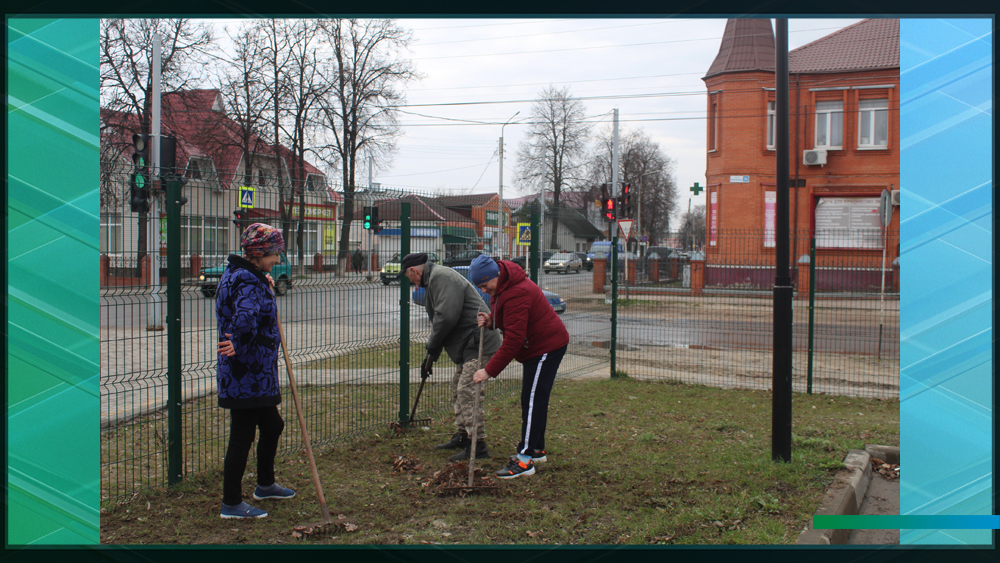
(53, 354)
(946, 302)
(53, 345)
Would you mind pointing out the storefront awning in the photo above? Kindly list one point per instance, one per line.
(458, 235)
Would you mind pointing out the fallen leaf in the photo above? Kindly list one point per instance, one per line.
(350, 527)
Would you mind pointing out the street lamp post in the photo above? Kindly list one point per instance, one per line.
(500, 222)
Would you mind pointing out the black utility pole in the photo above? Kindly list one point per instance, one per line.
(781, 406)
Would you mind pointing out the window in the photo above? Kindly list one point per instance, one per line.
(873, 123)
(204, 236)
(713, 125)
(260, 176)
(310, 239)
(770, 125)
(830, 124)
(111, 233)
(194, 171)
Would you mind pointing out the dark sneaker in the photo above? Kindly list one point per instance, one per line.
(481, 452)
(274, 491)
(242, 510)
(459, 440)
(516, 468)
(538, 456)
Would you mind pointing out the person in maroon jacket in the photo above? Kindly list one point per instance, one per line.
(532, 334)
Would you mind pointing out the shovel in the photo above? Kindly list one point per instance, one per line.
(474, 437)
(305, 437)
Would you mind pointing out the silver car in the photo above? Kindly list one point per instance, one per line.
(563, 262)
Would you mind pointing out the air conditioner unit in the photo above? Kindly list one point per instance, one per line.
(895, 197)
(814, 156)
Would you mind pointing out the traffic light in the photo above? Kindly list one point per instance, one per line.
(625, 201)
(376, 222)
(139, 186)
(240, 217)
(368, 218)
(609, 209)
(168, 157)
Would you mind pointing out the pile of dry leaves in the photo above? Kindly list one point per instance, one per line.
(455, 476)
(341, 523)
(887, 470)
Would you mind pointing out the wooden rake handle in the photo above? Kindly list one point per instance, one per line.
(475, 428)
(302, 421)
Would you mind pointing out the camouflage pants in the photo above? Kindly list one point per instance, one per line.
(464, 398)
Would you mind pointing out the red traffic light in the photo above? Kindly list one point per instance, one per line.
(609, 209)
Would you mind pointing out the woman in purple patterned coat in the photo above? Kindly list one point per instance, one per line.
(247, 371)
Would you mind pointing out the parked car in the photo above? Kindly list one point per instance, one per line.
(564, 262)
(556, 300)
(588, 262)
(521, 260)
(463, 258)
(208, 278)
(390, 271)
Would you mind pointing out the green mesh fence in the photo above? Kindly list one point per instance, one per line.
(700, 317)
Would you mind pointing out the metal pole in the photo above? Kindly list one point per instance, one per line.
(781, 407)
(175, 460)
(404, 316)
(155, 320)
(501, 226)
(812, 311)
(614, 247)
(533, 249)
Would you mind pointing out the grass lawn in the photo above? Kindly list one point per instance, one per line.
(630, 462)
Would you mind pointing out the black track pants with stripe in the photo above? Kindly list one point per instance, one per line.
(536, 386)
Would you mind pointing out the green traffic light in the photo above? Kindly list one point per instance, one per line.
(140, 181)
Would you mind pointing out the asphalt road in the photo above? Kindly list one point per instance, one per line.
(361, 304)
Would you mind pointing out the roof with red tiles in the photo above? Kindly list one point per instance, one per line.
(870, 44)
(203, 130)
(748, 45)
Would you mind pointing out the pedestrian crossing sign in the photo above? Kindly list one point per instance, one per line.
(524, 234)
(246, 196)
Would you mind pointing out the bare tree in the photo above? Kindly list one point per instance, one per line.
(248, 101)
(555, 148)
(361, 108)
(692, 229)
(305, 87)
(647, 169)
(127, 83)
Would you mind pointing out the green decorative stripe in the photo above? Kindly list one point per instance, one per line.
(53, 450)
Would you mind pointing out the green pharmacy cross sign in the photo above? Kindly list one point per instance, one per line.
(696, 188)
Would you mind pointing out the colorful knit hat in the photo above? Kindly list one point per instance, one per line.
(260, 239)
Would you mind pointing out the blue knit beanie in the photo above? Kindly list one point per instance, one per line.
(483, 269)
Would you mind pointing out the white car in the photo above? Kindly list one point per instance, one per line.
(563, 262)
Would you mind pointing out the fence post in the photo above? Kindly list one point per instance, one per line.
(804, 289)
(812, 311)
(404, 316)
(175, 460)
(106, 262)
(697, 273)
(600, 276)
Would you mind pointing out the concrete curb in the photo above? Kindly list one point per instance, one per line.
(847, 492)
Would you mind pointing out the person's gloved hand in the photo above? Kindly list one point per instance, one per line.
(425, 367)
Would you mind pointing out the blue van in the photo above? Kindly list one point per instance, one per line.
(604, 247)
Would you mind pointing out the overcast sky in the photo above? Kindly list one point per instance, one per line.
(479, 72)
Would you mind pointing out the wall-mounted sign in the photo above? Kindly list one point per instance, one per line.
(739, 179)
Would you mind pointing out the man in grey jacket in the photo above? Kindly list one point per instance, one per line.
(452, 305)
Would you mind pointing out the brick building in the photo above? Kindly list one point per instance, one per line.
(844, 150)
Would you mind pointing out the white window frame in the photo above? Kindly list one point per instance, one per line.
(111, 233)
(769, 141)
(832, 121)
(874, 120)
